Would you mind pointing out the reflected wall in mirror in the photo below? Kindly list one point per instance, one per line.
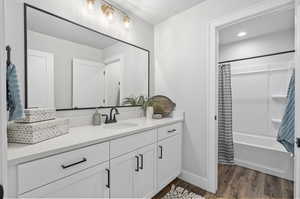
(70, 66)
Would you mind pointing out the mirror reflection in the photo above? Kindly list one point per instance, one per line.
(70, 67)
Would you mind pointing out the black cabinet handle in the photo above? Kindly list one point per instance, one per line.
(142, 161)
(73, 164)
(137, 163)
(161, 152)
(172, 131)
(108, 178)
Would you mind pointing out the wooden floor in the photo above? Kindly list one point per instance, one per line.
(239, 182)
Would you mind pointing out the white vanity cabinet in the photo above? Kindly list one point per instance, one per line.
(90, 183)
(132, 166)
(132, 174)
(136, 165)
(168, 154)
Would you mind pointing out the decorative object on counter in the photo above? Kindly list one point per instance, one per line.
(149, 112)
(97, 118)
(157, 116)
(134, 101)
(31, 133)
(37, 115)
(161, 105)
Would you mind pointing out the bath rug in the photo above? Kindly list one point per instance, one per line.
(181, 193)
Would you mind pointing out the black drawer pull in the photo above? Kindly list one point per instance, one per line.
(161, 152)
(108, 178)
(142, 161)
(172, 131)
(73, 164)
(137, 163)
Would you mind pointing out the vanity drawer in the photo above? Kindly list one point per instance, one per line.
(169, 130)
(131, 143)
(43, 171)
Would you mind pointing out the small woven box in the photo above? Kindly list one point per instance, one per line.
(31, 133)
(37, 115)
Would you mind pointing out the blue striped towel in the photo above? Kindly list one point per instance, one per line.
(14, 105)
(286, 133)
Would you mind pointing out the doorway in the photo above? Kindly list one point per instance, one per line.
(266, 124)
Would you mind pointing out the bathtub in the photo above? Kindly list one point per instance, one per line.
(263, 154)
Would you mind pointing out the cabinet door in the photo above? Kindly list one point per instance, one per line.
(168, 160)
(90, 183)
(122, 171)
(144, 178)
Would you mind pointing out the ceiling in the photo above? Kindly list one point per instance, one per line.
(46, 24)
(156, 11)
(259, 26)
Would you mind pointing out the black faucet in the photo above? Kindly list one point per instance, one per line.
(112, 117)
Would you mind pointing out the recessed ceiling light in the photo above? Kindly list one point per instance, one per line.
(242, 34)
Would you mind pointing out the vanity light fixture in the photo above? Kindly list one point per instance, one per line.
(242, 34)
(90, 4)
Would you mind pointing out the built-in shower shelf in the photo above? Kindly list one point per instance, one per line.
(283, 97)
(277, 121)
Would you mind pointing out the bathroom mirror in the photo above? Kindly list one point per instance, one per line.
(69, 66)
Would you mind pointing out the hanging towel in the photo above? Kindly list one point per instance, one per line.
(14, 105)
(286, 133)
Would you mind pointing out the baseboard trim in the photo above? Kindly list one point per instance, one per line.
(194, 179)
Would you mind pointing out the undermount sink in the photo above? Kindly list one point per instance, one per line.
(120, 125)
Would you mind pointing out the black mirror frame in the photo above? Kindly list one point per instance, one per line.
(90, 29)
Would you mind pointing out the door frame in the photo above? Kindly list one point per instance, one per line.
(297, 108)
(256, 10)
(3, 113)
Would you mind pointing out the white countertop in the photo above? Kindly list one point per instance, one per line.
(79, 137)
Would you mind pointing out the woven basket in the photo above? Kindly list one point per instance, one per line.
(37, 115)
(31, 133)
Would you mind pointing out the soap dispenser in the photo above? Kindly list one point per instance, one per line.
(97, 118)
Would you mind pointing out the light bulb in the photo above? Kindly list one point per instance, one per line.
(126, 22)
(108, 11)
(110, 16)
(90, 4)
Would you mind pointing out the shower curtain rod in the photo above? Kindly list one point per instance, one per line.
(255, 57)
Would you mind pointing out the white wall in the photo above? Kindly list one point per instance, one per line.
(135, 71)
(140, 33)
(181, 48)
(3, 118)
(265, 44)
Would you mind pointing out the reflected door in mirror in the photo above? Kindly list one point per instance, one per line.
(88, 83)
(40, 79)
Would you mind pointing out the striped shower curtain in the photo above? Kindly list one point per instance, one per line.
(225, 138)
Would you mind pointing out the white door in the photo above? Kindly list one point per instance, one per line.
(144, 178)
(168, 160)
(40, 78)
(122, 171)
(297, 108)
(88, 84)
(90, 183)
(113, 83)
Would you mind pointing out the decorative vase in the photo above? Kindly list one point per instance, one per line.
(149, 112)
